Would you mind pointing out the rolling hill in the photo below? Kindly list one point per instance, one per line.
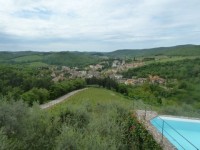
(80, 59)
(49, 58)
(181, 50)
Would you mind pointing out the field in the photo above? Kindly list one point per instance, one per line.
(38, 64)
(29, 58)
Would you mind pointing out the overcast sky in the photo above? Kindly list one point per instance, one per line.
(97, 25)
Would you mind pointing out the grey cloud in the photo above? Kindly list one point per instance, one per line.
(107, 24)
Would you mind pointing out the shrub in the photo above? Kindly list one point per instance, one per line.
(76, 118)
(138, 137)
(5, 143)
(36, 95)
(26, 128)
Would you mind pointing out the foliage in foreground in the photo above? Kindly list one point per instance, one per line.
(102, 126)
(22, 127)
(84, 126)
(139, 136)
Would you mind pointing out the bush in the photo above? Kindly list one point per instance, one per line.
(65, 87)
(76, 118)
(26, 128)
(107, 126)
(138, 137)
(36, 95)
(12, 115)
(69, 139)
(5, 143)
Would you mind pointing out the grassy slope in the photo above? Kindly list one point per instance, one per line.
(37, 64)
(28, 58)
(108, 126)
(94, 113)
(93, 96)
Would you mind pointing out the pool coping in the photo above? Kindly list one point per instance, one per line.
(145, 120)
(181, 117)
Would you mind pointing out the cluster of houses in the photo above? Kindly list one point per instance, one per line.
(64, 72)
(122, 65)
(139, 81)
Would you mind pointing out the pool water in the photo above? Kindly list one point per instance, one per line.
(182, 133)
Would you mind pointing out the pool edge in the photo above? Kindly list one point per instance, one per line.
(181, 118)
(145, 120)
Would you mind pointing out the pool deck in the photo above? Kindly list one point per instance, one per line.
(145, 120)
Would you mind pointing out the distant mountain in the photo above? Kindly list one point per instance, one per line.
(181, 50)
(85, 58)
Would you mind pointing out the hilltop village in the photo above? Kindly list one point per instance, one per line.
(112, 69)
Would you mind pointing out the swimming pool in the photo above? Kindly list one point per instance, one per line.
(182, 133)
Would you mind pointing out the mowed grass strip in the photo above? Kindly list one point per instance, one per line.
(92, 96)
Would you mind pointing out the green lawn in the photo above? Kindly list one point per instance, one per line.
(93, 97)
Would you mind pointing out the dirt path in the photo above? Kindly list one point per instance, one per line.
(60, 99)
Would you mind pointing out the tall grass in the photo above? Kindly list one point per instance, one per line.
(93, 126)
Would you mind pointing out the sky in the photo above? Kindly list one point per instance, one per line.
(97, 25)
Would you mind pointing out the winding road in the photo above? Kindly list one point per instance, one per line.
(60, 99)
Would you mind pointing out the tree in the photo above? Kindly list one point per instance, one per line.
(36, 95)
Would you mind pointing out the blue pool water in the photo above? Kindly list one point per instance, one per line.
(182, 133)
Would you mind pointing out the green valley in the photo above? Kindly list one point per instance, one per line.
(103, 116)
